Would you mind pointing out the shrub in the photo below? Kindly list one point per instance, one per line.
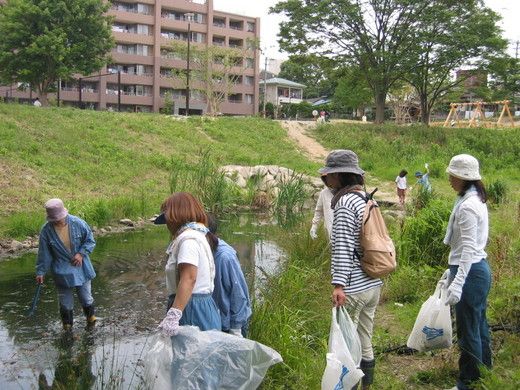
(422, 236)
(497, 192)
(410, 283)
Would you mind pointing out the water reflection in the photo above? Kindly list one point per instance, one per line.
(130, 295)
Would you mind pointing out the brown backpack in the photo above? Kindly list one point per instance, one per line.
(378, 248)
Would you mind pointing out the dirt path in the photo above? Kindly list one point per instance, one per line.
(298, 132)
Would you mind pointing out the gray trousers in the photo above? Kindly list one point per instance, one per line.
(362, 308)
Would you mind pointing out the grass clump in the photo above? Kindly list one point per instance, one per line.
(290, 199)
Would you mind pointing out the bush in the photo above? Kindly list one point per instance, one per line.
(290, 200)
(497, 192)
(422, 236)
(410, 283)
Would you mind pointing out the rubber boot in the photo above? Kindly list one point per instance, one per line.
(67, 318)
(90, 315)
(368, 367)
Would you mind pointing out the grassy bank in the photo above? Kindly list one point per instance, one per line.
(109, 165)
(293, 315)
(386, 149)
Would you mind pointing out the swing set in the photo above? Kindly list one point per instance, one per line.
(479, 117)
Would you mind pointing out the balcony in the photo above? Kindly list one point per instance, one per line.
(236, 25)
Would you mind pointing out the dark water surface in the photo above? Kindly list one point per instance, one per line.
(130, 295)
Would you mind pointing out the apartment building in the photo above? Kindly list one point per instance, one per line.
(140, 72)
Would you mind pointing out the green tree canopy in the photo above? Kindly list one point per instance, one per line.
(450, 34)
(316, 73)
(352, 91)
(374, 35)
(42, 41)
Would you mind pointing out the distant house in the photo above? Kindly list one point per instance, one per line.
(472, 80)
(281, 91)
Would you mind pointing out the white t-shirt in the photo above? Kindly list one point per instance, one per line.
(191, 247)
(401, 182)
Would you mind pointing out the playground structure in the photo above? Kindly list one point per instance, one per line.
(479, 117)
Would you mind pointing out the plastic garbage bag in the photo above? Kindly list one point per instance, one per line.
(341, 371)
(350, 335)
(432, 329)
(208, 360)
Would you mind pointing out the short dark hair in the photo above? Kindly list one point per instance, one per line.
(350, 179)
(403, 173)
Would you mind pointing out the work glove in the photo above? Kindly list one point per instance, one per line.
(314, 232)
(170, 325)
(426, 165)
(454, 293)
(236, 332)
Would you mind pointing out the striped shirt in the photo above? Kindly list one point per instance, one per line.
(346, 229)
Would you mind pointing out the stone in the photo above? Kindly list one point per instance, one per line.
(127, 222)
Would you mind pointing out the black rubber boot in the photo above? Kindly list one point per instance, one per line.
(90, 315)
(368, 367)
(67, 318)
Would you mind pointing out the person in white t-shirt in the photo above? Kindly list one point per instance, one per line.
(323, 211)
(401, 185)
(37, 103)
(190, 268)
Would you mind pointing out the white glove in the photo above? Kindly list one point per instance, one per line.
(426, 165)
(454, 293)
(314, 232)
(236, 332)
(445, 278)
(170, 325)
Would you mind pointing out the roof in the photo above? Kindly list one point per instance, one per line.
(283, 82)
(323, 100)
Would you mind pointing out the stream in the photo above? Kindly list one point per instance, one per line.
(130, 297)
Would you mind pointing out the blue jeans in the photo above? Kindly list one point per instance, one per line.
(472, 327)
(66, 297)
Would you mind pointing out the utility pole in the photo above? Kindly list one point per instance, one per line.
(188, 16)
(119, 91)
(265, 86)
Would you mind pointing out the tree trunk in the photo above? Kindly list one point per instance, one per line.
(380, 106)
(425, 111)
(43, 95)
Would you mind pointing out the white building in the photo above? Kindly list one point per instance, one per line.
(282, 91)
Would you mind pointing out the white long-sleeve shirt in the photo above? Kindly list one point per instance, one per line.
(323, 210)
(467, 234)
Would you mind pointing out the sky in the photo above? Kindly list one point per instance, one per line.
(508, 9)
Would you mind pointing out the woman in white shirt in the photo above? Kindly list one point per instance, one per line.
(323, 211)
(190, 269)
(470, 275)
(400, 182)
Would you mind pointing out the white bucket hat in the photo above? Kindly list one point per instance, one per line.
(465, 167)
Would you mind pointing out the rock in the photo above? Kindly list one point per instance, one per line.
(15, 246)
(127, 222)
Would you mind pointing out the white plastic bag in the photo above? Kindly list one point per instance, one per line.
(211, 360)
(432, 329)
(341, 371)
(350, 334)
(158, 362)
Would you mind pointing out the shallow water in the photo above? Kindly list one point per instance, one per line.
(130, 297)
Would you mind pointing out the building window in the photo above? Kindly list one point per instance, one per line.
(249, 80)
(181, 16)
(251, 26)
(250, 99)
(137, 8)
(250, 63)
(140, 50)
(236, 25)
(219, 22)
(235, 98)
(219, 41)
(236, 43)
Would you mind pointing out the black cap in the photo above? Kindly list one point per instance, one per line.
(160, 220)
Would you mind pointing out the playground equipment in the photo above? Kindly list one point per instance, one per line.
(479, 117)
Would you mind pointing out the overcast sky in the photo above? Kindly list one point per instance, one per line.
(509, 9)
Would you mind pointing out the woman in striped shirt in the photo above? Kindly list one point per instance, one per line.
(352, 286)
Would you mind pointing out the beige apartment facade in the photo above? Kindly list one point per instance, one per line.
(143, 31)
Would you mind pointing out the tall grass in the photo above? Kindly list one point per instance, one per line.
(290, 199)
(293, 313)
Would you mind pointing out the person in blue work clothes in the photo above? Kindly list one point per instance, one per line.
(423, 179)
(231, 293)
(66, 242)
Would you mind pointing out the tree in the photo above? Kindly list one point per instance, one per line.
(450, 34)
(352, 92)
(214, 70)
(316, 73)
(374, 35)
(504, 78)
(42, 41)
